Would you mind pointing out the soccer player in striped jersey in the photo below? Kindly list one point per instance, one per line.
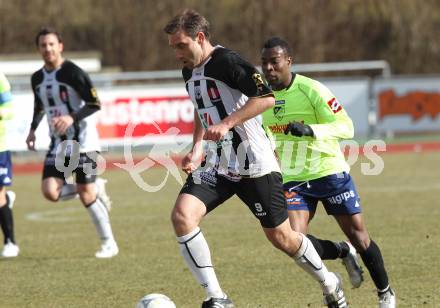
(229, 95)
(307, 123)
(7, 197)
(65, 94)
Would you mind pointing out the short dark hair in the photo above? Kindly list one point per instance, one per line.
(48, 30)
(278, 42)
(189, 21)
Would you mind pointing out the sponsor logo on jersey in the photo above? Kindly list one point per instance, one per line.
(49, 94)
(278, 128)
(279, 109)
(207, 119)
(258, 81)
(338, 199)
(214, 95)
(198, 92)
(64, 95)
(93, 92)
(334, 105)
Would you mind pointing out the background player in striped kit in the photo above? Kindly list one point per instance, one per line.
(7, 198)
(307, 122)
(65, 94)
(229, 95)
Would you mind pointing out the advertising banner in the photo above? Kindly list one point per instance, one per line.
(407, 105)
(157, 115)
(152, 115)
(162, 114)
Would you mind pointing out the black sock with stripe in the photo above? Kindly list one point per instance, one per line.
(7, 223)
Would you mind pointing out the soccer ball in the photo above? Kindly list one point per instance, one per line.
(155, 301)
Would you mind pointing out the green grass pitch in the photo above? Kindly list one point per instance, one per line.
(57, 268)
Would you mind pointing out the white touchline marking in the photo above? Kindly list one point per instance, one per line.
(391, 189)
(62, 215)
(58, 215)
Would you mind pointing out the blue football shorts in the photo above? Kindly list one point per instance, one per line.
(337, 193)
(5, 169)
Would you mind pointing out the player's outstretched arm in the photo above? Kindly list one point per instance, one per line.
(253, 107)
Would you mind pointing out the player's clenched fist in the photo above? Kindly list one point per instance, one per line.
(216, 132)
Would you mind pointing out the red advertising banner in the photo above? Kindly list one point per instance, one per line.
(151, 115)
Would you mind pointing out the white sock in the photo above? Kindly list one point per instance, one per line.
(308, 259)
(68, 191)
(195, 251)
(101, 220)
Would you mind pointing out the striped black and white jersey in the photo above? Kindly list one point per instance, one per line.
(64, 91)
(219, 87)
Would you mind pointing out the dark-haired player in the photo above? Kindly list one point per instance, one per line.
(64, 93)
(229, 95)
(307, 122)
